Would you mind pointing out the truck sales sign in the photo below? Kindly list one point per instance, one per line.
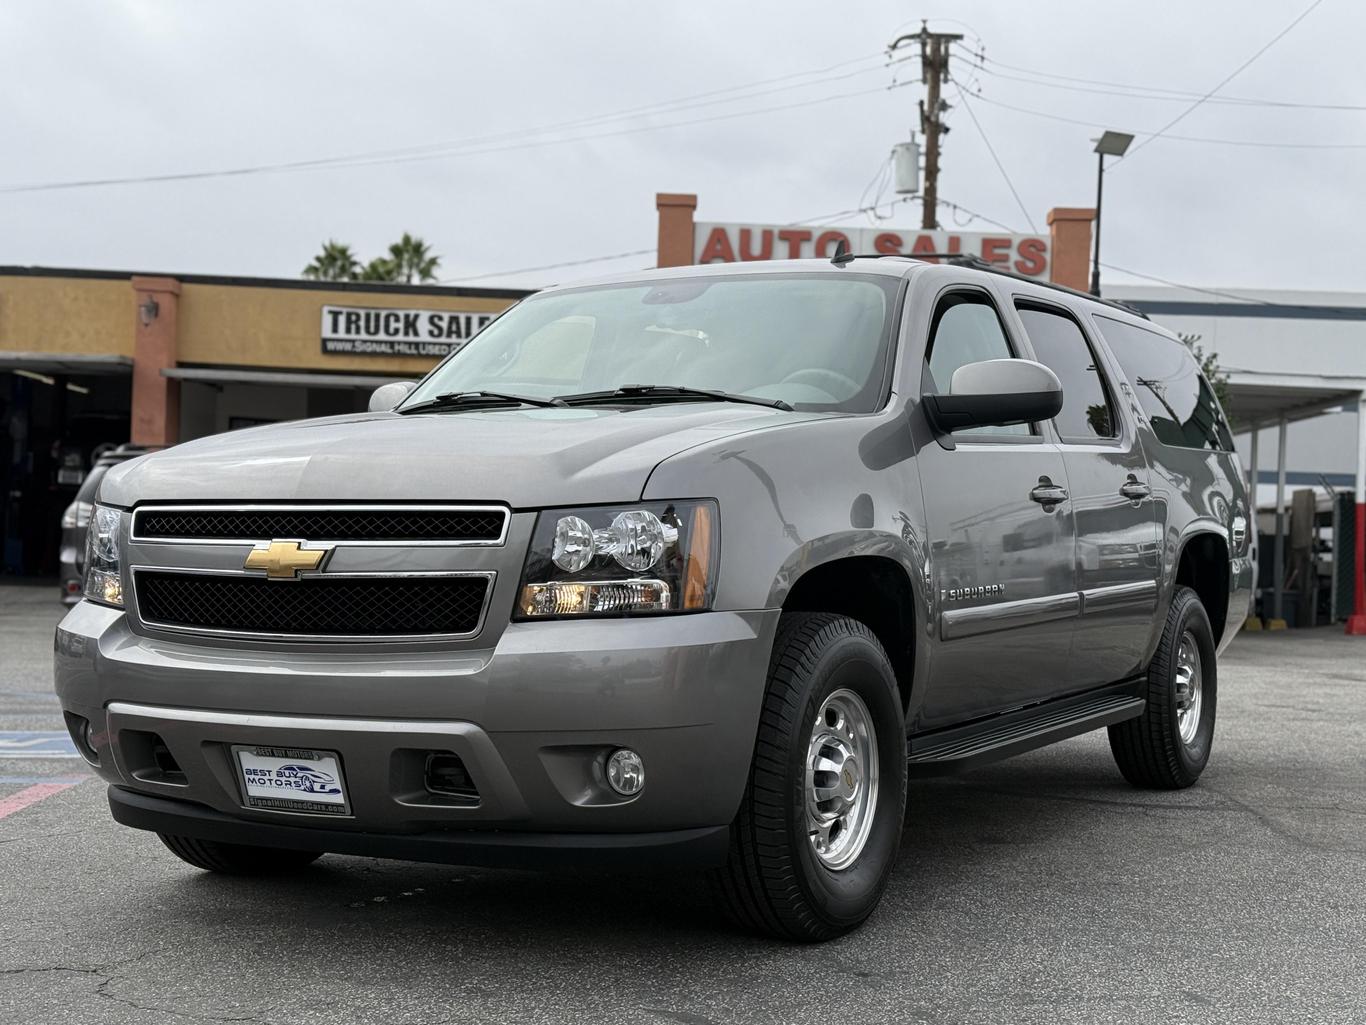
(367, 331)
(727, 243)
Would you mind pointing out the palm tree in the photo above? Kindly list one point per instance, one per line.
(381, 268)
(412, 260)
(336, 262)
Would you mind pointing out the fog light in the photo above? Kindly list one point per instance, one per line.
(626, 772)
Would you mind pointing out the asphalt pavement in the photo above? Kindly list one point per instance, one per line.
(1038, 890)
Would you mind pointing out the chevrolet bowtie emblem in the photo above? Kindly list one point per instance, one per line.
(285, 560)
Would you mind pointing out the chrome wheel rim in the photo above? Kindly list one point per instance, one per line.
(1188, 696)
(841, 780)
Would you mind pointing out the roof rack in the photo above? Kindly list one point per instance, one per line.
(977, 263)
(843, 256)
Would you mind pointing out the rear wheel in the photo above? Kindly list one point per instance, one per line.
(237, 859)
(1168, 746)
(816, 837)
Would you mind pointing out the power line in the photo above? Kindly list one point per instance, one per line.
(451, 148)
(646, 252)
(547, 266)
(1133, 90)
(973, 214)
(962, 96)
(1098, 125)
(1152, 277)
(1223, 82)
(1211, 291)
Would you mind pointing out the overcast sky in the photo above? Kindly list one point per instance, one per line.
(125, 88)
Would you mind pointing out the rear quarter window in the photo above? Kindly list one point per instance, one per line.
(1169, 386)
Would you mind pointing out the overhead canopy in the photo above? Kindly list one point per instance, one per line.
(228, 375)
(1254, 399)
(65, 363)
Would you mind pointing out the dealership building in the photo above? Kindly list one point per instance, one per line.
(90, 358)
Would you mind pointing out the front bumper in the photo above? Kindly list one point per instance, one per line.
(530, 718)
(690, 848)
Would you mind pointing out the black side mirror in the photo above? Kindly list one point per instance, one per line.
(996, 393)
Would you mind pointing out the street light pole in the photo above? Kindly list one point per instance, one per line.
(1110, 144)
(1100, 188)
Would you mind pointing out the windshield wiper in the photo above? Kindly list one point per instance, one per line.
(473, 399)
(668, 393)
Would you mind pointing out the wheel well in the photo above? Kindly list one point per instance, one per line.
(1203, 567)
(876, 592)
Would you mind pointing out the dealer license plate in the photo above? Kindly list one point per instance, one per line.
(292, 779)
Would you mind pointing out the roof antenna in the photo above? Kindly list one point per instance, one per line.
(842, 254)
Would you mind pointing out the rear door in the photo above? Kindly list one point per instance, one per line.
(1001, 537)
(1112, 507)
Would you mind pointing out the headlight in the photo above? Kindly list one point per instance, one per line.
(103, 579)
(622, 560)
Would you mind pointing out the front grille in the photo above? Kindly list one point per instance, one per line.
(312, 606)
(390, 523)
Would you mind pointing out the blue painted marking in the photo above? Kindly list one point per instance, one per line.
(37, 744)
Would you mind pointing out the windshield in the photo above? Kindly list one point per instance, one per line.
(815, 341)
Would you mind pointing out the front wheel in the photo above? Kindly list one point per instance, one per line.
(1167, 747)
(818, 829)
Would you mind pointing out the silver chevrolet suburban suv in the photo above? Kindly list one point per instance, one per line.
(690, 567)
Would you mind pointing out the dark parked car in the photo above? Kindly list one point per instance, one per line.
(687, 567)
(76, 520)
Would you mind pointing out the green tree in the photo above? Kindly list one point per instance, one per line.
(1209, 366)
(413, 260)
(336, 262)
(409, 260)
(381, 268)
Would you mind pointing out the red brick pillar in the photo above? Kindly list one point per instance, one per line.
(1070, 245)
(675, 228)
(156, 399)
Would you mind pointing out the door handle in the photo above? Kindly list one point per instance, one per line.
(1134, 489)
(1046, 493)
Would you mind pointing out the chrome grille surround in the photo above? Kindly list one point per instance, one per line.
(376, 564)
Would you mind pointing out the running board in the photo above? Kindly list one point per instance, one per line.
(967, 747)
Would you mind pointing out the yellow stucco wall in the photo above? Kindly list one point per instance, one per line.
(280, 327)
(71, 316)
(233, 325)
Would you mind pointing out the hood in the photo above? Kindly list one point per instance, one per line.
(524, 457)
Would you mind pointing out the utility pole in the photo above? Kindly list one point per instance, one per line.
(934, 70)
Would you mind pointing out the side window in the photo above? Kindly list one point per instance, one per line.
(1169, 386)
(1087, 412)
(966, 329)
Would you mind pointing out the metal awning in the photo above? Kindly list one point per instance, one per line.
(1255, 399)
(66, 363)
(304, 379)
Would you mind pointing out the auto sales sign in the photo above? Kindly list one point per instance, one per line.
(727, 243)
(371, 331)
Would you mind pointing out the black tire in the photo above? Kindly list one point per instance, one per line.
(237, 859)
(1150, 750)
(774, 882)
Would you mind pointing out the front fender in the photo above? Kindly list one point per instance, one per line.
(799, 496)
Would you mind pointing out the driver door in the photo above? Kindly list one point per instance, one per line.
(1002, 538)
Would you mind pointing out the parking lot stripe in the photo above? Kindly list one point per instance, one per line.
(29, 796)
